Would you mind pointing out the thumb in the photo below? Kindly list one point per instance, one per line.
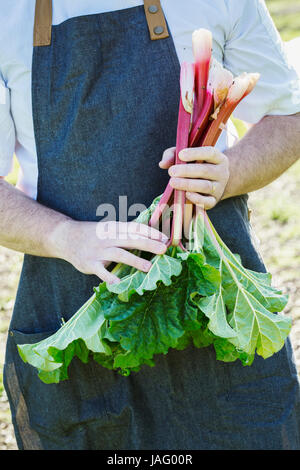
(168, 158)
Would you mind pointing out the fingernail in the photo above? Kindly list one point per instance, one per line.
(182, 154)
(172, 171)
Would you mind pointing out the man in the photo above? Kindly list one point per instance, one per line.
(89, 115)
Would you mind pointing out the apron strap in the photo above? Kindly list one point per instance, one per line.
(42, 23)
(156, 20)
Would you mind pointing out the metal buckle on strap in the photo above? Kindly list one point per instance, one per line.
(156, 20)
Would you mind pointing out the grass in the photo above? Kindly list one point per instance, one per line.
(286, 15)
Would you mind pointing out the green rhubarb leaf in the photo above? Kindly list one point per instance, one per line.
(258, 284)
(145, 216)
(146, 325)
(257, 329)
(77, 337)
(202, 338)
(153, 323)
(227, 352)
(162, 270)
(214, 308)
(204, 278)
(250, 299)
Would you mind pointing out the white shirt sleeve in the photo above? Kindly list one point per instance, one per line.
(254, 45)
(7, 131)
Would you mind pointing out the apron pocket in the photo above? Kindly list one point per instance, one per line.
(67, 415)
(29, 338)
(30, 399)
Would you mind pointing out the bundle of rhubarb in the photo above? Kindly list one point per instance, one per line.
(198, 293)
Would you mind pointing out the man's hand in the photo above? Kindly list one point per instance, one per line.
(204, 180)
(29, 227)
(91, 246)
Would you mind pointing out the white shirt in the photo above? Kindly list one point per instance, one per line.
(245, 39)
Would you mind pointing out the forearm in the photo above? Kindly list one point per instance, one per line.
(266, 151)
(28, 226)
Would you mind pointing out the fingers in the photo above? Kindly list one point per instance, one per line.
(168, 158)
(207, 154)
(209, 178)
(104, 275)
(205, 202)
(118, 255)
(143, 244)
(122, 230)
(143, 230)
(131, 235)
(196, 170)
(197, 185)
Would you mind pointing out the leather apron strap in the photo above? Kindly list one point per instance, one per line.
(156, 20)
(43, 21)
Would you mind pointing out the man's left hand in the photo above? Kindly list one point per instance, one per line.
(204, 180)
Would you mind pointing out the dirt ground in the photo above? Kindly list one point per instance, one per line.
(275, 219)
(10, 266)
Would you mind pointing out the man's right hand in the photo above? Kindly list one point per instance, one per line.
(91, 246)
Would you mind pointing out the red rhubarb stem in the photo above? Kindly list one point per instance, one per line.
(202, 120)
(163, 203)
(202, 50)
(182, 141)
(201, 78)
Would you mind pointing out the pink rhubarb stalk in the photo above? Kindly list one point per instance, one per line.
(201, 122)
(163, 203)
(202, 50)
(240, 88)
(183, 128)
(218, 86)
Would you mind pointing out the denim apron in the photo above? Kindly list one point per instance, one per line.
(105, 104)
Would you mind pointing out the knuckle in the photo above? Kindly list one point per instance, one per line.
(195, 198)
(175, 182)
(117, 253)
(210, 202)
(207, 186)
(188, 185)
(199, 199)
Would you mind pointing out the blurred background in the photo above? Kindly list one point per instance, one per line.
(275, 219)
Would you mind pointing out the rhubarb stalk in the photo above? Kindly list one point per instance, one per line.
(240, 88)
(202, 120)
(163, 203)
(218, 86)
(187, 77)
(202, 50)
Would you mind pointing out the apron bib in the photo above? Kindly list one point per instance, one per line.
(105, 103)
